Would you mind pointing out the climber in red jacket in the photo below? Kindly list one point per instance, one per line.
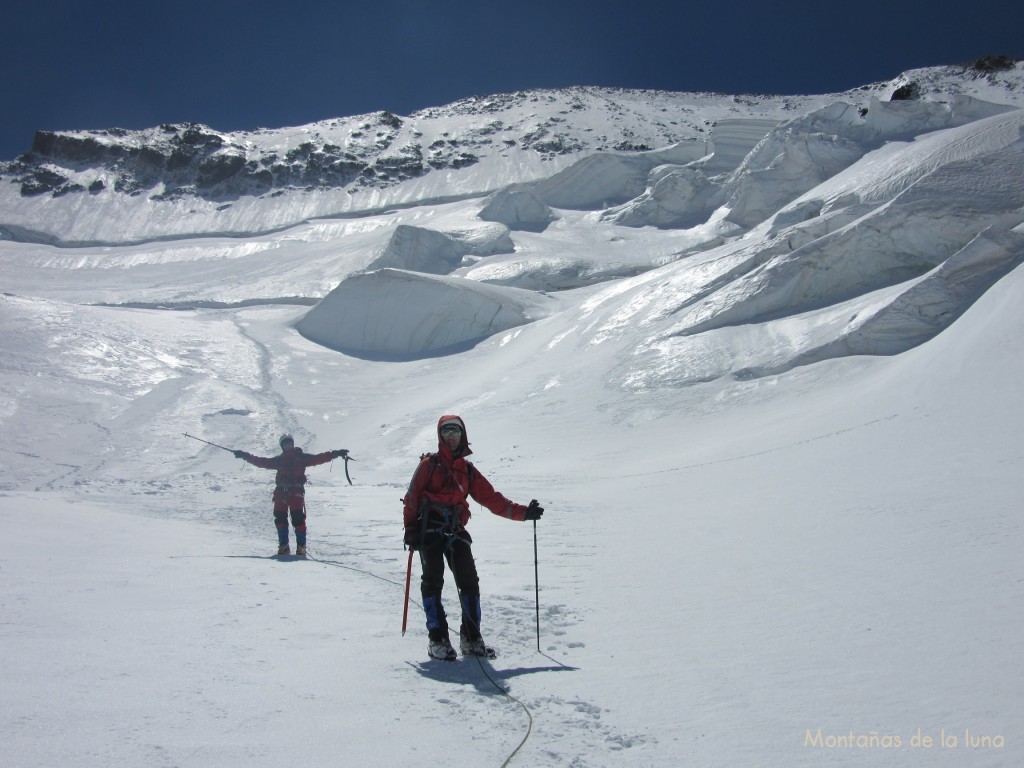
(435, 514)
(290, 492)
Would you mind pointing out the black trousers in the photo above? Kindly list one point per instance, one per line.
(439, 548)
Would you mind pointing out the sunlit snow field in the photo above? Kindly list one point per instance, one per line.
(778, 445)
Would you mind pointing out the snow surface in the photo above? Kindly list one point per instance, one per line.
(777, 436)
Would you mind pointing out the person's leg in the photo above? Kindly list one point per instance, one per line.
(460, 558)
(281, 519)
(431, 585)
(298, 511)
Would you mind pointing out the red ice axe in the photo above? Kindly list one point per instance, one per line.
(408, 578)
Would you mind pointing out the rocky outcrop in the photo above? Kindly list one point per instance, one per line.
(368, 152)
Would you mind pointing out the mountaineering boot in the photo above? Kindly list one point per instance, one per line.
(284, 549)
(300, 550)
(441, 649)
(474, 646)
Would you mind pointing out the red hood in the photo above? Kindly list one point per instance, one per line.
(442, 446)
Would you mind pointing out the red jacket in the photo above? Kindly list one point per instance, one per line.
(290, 465)
(448, 479)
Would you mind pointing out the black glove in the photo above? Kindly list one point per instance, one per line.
(240, 454)
(412, 539)
(534, 511)
(341, 453)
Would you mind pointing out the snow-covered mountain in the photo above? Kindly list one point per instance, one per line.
(827, 226)
(758, 356)
(117, 186)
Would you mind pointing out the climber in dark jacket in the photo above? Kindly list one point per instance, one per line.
(290, 491)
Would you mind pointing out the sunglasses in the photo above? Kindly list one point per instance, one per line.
(451, 429)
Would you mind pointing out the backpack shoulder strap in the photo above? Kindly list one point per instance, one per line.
(434, 463)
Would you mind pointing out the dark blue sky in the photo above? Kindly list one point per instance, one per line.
(244, 64)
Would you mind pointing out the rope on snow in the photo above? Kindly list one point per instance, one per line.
(502, 691)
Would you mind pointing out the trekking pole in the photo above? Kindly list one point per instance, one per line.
(408, 578)
(536, 582)
(186, 434)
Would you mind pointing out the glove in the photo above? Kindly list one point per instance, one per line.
(534, 511)
(412, 539)
(240, 454)
(341, 453)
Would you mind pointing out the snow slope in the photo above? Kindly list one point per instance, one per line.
(776, 436)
